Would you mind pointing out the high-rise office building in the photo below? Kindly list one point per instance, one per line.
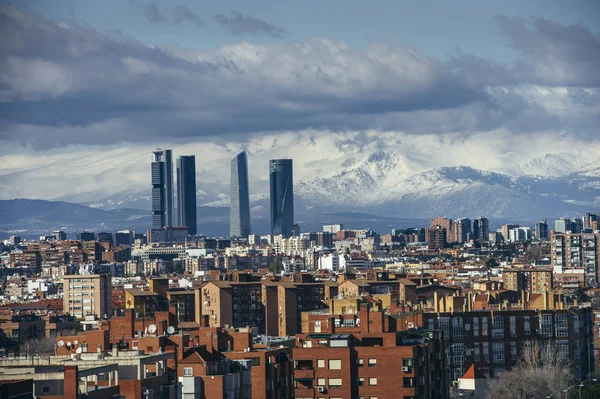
(481, 229)
(563, 225)
(186, 193)
(588, 219)
(162, 188)
(239, 211)
(541, 230)
(282, 196)
(461, 229)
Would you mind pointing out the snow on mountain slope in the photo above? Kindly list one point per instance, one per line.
(560, 165)
(409, 175)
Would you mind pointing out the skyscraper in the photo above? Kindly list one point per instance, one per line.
(282, 196)
(541, 230)
(186, 193)
(481, 229)
(239, 211)
(162, 188)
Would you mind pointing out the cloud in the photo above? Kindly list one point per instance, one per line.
(554, 54)
(183, 13)
(549, 53)
(86, 87)
(238, 24)
(153, 13)
(176, 15)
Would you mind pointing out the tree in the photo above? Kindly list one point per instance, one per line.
(541, 371)
(491, 262)
(581, 295)
(37, 346)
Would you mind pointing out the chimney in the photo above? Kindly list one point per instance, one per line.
(364, 318)
(71, 381)
(115, 350)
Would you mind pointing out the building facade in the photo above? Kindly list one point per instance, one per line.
(162, 188)
(87, 294)
(576, 253)
(493, 340)
(186, 193)
(282, 196)
(239, 213)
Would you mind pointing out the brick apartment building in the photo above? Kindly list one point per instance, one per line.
(369, 359)
(272, 307)
(492, 340)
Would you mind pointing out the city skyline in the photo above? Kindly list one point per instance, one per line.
(429, 82)
(391, 199)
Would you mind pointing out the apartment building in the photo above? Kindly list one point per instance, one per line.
(370, 361)
(274, 308)
(87, 294)
(492, 340)
(570, 251)
(530, 280)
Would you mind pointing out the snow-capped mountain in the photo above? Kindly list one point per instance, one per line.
(369, 172)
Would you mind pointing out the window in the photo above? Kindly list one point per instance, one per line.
(188, 371)
(335, 383)
(498, 352)
(372, 381)
(360, 362)
(361, 381)
(321, 363)
(335, 364)
(408, 362)
(372, 362)
(321, 382)
(349, 323)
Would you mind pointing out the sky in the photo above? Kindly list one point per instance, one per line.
(84, 78)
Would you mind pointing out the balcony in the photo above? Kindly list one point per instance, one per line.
(301, 393)
(304, 373)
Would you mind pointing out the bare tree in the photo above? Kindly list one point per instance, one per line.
(541, 371)
(37, 346)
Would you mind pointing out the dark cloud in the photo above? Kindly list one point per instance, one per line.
(176, 15)
(183, 14)
(88, 87)
(549, 54)
(153, 13)
(238, 24)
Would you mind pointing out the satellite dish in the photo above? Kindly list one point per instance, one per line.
(152, 328)
(171, 330)
(380, 275)
(79, 350)
(68, 343)
(411, 324)
(61, 343)
(75, 342)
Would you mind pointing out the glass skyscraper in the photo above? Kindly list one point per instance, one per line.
(282, 196)
(239, 211)
(186, 193)
(162, 188)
